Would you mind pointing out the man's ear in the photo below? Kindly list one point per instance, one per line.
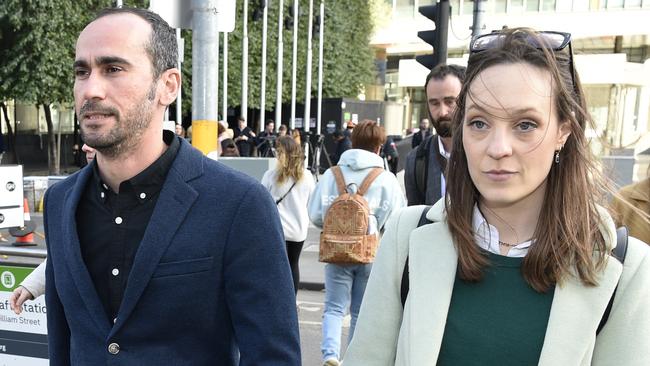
(170, 81)
(563, 134)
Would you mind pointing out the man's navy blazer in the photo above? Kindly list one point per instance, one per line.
(210, 282)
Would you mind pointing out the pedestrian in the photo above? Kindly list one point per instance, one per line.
(346, 283)
(390, 153)
(290, 185)
(266, 140)
(179, 130)
(282, 131)
(424, 171)
(151, 259)
(631, 207)
(515, 266)
(244, 138)
(425, 129)
(342, 144)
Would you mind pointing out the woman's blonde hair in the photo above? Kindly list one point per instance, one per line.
(567, 237)
(290, 159)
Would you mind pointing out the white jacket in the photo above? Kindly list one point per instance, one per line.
(384, 195)
(293, 208)
(387, 335)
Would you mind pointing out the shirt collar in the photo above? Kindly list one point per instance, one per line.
(149, 181)
(442, 150)
(486, 236)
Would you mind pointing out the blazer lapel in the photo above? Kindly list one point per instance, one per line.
(431, 281)
(575, 314)
(175, 200)
(72, 252)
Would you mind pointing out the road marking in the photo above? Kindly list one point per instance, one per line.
(308, 322)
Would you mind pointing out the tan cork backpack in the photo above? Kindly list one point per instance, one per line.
(345, 237)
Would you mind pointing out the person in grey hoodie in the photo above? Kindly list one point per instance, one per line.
(346, 283)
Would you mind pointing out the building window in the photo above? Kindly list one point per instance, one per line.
(564, 6)
(532, 5)
(516, 6)
(500, 6)
(632, 4)
(455, 7)
(468, 7)
(615, 4)
(548, 5)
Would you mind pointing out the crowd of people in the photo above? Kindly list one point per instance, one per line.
(507, 254)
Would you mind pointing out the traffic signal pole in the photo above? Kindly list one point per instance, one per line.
(205, 75)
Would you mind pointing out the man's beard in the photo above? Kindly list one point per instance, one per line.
(127, 131)
(443, 127)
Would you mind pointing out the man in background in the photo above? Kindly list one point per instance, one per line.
(424, 178)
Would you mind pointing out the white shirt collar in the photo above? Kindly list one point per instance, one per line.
(442, 150)
(487, 237)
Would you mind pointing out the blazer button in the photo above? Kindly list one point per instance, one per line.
(113, 348)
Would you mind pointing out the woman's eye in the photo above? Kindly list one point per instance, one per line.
(527, 126)
(478, 124)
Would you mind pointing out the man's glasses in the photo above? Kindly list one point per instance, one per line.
(555, 41)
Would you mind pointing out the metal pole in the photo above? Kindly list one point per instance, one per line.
(319, 106)
(310, 24)
(263, 86)
(224, 104)
(478, 25)
(205, 55)
(278, 83)
(179, 100)
(244, 66)
(293, 65)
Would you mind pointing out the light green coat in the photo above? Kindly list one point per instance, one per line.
(382, 337)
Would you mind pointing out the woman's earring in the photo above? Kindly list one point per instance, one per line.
(557, 156)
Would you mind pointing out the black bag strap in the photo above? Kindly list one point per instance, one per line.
(281, 198)
(421, 165)
(619, 253)
(404, 290)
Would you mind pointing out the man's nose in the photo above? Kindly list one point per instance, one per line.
(92, 88)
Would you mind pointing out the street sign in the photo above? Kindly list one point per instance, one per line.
(23, 338)
(178, 13)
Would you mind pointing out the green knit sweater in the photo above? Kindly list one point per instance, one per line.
(500, 320)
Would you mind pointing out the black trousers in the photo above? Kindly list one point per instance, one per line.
(293, 252)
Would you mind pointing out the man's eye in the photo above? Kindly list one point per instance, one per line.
(113, 69)
(80, 73)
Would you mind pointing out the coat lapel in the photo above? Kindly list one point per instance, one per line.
(575, 314)
(431, 283)
(175, 200)
(72, 251)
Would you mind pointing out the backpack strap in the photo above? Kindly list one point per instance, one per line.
(404, 289)
(340, 181)
(367, 181)
(619, 253)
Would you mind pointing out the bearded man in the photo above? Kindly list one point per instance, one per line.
(424, 178)
(147, 263)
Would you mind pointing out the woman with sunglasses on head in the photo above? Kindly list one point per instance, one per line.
(515, 267)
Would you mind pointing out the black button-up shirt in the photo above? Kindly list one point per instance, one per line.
(111, 226)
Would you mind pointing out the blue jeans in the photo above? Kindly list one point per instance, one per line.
(344, 286)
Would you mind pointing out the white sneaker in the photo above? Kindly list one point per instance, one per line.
(331, 362)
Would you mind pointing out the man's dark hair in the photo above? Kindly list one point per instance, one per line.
(241, 118)
(162, 47)
(268, 122)
(441, 71)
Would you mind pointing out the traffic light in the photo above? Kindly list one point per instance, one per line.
(439, 14)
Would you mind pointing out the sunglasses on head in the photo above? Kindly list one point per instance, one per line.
(555, 41)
